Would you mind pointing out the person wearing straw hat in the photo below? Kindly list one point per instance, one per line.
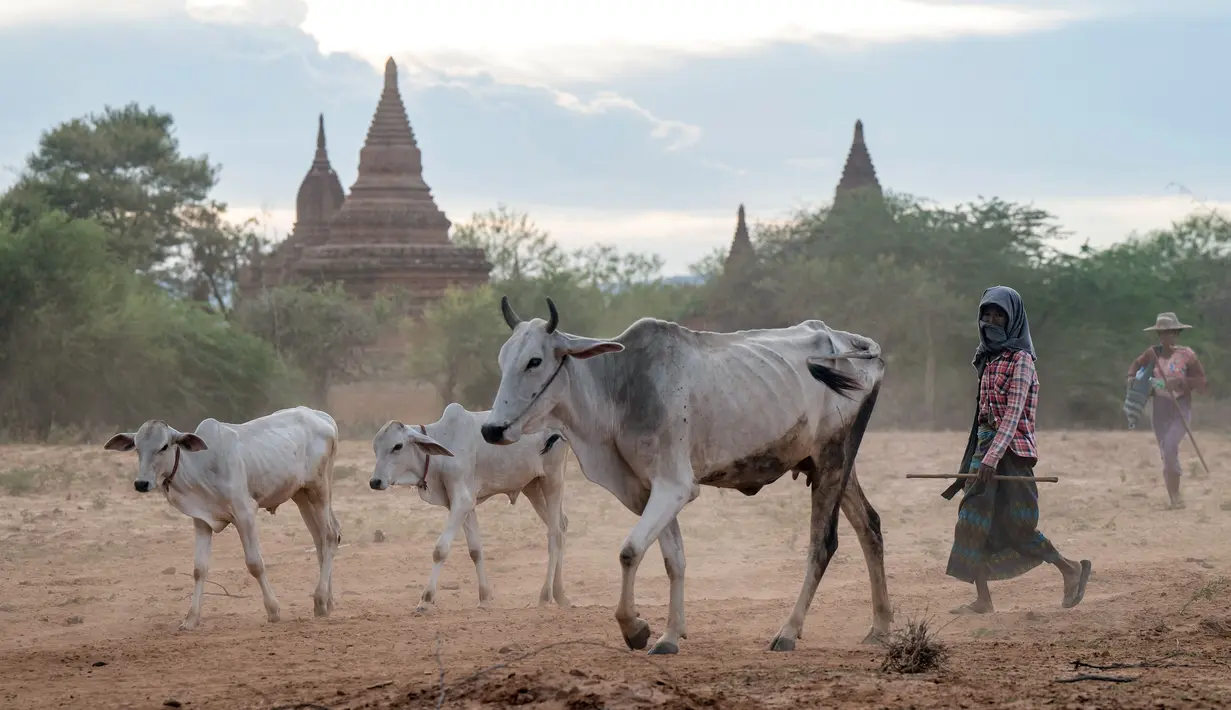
(1176, 373)
(997, 536)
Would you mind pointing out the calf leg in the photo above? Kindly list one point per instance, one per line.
(200, 568)
(245, 525)
(550, 512)
(320, 523)
(823, 542)
(471, 527)
(459, 508)
(863, 517)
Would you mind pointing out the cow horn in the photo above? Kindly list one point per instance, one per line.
(509, 316)
(555, 317)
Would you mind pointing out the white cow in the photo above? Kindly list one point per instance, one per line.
(222, 473)
(476, 472)
(671, 409)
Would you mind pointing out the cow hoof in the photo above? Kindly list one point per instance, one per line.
(664, 648)
(274, 617)
(564, 603)
(875, 638)
(423, 609)
(640, 638)
(188, 624)
(320, 609)
(782, 643)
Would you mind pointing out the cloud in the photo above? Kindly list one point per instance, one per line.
(565, 41)
(677, 134)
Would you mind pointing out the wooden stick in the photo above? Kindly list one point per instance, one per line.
(1189, 430)
(1036, 479)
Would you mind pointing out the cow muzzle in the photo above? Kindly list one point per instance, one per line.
(143, 486)
(494, 434)
(377, 485)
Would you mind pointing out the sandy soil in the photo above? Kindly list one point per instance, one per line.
(95, 579)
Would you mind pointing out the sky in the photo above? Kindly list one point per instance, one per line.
(645, 124)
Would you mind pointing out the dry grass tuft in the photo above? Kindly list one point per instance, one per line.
(1216, 626)
(914, 648)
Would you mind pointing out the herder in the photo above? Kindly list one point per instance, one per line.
(996, 536)
(1179, 372)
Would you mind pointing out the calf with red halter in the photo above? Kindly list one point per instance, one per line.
(661, 410)
(473, 473)
(222, 473)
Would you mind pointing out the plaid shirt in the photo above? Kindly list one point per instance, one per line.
(1008, 400)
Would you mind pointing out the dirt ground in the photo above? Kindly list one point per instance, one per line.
(94, 579)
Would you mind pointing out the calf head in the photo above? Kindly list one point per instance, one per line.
(159, 448)
(402, 456)
(531, 361)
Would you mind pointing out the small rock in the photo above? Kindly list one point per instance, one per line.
(449, 585)
(169, 570)
(99, 664)
(378, 536)
(171, 703)
(509, 648)
(73, 621)
(577, 673)
(1031, 616)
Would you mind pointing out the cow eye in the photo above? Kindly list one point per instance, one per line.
(164, 448)
(534, 362)
(397, 448)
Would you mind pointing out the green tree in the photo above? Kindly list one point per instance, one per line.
(319, 329)
(123, 169)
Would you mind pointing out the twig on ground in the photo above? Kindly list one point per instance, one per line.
(377, 686)
(440, 699)
(1103, 678)
(1156, 663)
(301, 706)
(225, 592)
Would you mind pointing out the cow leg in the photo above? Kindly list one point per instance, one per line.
(823, 542)
(473, 541)
(459, 508)
(200, 568)
(319, 522)
(552, 518)
(245, 525)
(667, 499)
(863, 517)
(671, 542)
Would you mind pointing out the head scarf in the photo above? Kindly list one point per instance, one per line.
(1015, 336)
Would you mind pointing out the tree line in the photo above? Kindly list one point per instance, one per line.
(118, 298)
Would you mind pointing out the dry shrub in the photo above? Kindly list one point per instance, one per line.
(914, 648)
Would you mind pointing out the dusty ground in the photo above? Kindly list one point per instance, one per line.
(95, 579)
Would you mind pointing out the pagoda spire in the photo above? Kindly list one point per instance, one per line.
(858, 173)
(742, 251)
(389, 201)
(320, 194)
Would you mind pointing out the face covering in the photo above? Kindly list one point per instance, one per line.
(993, 335)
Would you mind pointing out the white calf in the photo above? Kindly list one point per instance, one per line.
(476, 472)
(221, 473)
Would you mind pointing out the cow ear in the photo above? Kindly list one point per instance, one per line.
(583, 348)
(427, 443)
(191, 442)
(120, 442)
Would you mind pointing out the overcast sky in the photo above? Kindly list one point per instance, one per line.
(645, 124)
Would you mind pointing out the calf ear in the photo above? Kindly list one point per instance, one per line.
(427, 443)
(191, 442)
(583, 348)
(120, 442)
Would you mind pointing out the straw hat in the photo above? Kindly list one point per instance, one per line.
(1167, 321)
